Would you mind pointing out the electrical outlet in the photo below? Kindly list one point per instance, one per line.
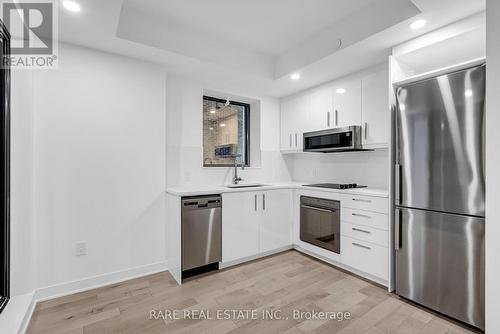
(81, 249)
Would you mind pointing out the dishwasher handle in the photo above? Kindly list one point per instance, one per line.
(201, 203)
(317, 208)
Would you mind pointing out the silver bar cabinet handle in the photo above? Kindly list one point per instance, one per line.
(328, 119)
(362, 200)
(263, 201)
(255, 202)
(366, 130)
(360, 215)
(359, 245)
(360, 230)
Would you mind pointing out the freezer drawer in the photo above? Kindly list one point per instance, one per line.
(440, 262)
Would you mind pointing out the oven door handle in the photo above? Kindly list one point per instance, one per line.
(315, 208)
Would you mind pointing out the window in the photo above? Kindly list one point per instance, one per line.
(226, 132)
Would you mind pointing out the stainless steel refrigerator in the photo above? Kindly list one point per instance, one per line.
(439, 193)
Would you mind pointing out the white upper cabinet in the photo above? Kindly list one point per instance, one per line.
(351, 101)
(347, 103)
(295, 120)
(375, 109)
(322, 109)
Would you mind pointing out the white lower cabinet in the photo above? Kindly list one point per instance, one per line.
(240, 225)
(255, 222)
(275, 222)
(365, 234)
(365, 256)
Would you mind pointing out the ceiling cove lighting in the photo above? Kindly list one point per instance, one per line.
(295, 76)
(71, 6)
(340, 90)
(418, 24)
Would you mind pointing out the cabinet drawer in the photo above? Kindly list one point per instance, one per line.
(375, 204)
(364, 256)
(365, 218)
(369, 234)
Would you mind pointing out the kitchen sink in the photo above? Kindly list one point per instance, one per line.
(248, 185)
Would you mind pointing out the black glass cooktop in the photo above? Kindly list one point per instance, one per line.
(335, 185)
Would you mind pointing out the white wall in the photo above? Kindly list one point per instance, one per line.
(185, 142)
(364, 168)
(23, 273)
(99, 165)
(492, 167)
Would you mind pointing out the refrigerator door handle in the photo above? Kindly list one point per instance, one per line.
(397, 229)
(397, 183)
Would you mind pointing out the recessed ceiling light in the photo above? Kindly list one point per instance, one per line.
(340, 90)
(468, 93)
(402, 107)
(211, 128)
(295, 76)
(71, 6)
(212, 111)
(222, 125)
(418, 24)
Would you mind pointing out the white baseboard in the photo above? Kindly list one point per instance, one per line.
(254, 257)
(17, 314)
(27, 317)
(98, 281)
(342, 266)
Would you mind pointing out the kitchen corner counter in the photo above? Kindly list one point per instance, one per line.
(182, 191)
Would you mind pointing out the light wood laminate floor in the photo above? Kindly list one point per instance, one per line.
(286, 282)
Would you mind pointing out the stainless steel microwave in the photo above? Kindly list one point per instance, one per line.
(334, 140)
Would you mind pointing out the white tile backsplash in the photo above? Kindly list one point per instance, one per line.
(365, 168)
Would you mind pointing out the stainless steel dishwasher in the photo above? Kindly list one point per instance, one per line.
(201, 234)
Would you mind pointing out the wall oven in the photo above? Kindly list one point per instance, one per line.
(320, 222)
(334, 140)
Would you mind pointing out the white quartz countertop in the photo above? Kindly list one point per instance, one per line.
(209, 190)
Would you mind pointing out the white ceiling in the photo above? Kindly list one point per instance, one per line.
(250, 47)
(268, 27)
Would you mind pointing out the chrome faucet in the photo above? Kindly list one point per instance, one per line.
(236, 178)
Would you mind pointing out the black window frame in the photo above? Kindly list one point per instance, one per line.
(4, 167)
(247, 130)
